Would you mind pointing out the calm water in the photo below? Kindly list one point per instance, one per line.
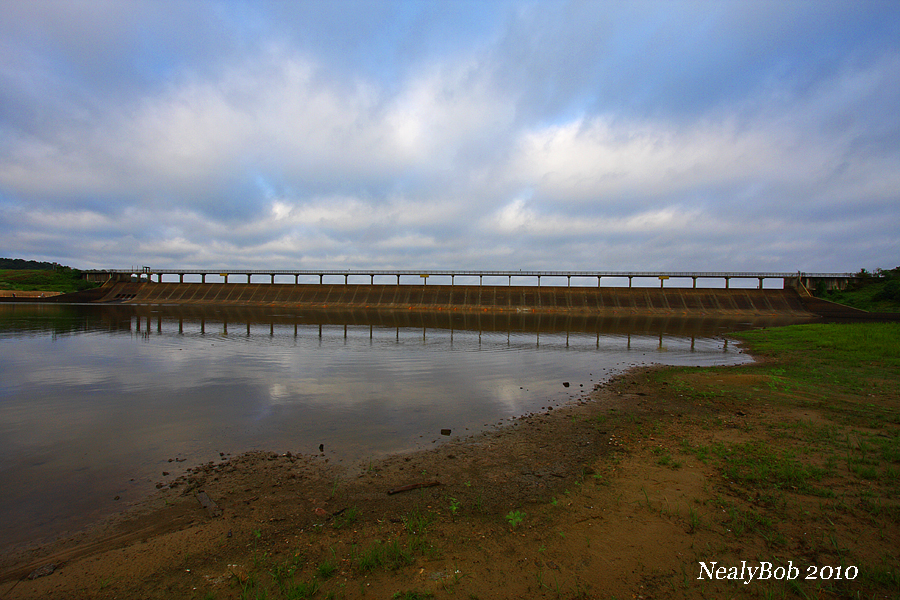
(95, 401)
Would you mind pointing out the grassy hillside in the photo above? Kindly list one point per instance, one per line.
(875, 292)
(61, 279)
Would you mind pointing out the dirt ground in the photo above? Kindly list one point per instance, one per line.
(599, 499)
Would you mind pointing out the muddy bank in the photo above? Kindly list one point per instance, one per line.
(300, 506)
(279, 494)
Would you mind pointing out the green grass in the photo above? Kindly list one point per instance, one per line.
(63, 280)
(862, 341)
(304, 589)
(880, 293)
(389, 556)
(417, 521)
(412, 595)
(326, 569)
(348, 517)
(831, 457)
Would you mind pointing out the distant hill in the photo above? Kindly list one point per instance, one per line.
(18, 275)
(33, 265)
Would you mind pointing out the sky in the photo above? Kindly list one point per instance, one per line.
(708, 135)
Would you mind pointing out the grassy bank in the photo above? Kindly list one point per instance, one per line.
(874, 292)
(62, 279)
(814, 474)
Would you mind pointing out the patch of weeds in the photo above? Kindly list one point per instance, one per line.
(281, 572)
(389, 556)
(693, 520)
(326, 569)
(334, 487)
(515, 518)
(666, 460)
(885, 575)
(455, 505)
(757, 464)
(348, 517)
(418, 544)
(417, 522)
(412, 595)
(866, 472)
(750, 521)
(251, 589)
(304, 589)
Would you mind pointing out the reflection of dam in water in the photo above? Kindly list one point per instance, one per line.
(256, 320)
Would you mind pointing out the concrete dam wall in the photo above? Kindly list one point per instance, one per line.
(466, 298)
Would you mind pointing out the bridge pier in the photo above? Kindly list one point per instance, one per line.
(727, 282)
(694, 284)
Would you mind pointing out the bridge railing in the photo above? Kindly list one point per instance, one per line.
(421, 276)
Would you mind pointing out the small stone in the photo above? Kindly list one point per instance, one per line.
(42, 571)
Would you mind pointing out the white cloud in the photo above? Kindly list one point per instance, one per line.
(473, 155)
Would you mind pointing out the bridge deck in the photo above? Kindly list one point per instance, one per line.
(527, 278)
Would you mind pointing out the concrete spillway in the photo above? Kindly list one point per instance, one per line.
(521, 299)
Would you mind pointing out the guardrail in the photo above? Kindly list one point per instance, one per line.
(148, 274)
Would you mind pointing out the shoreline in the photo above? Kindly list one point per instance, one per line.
(391, 471)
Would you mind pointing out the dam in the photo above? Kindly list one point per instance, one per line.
(525, 292)
(463, 298)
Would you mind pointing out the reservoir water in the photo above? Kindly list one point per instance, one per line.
(96, 403)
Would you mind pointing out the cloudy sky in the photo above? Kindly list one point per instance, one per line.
(452, 134)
